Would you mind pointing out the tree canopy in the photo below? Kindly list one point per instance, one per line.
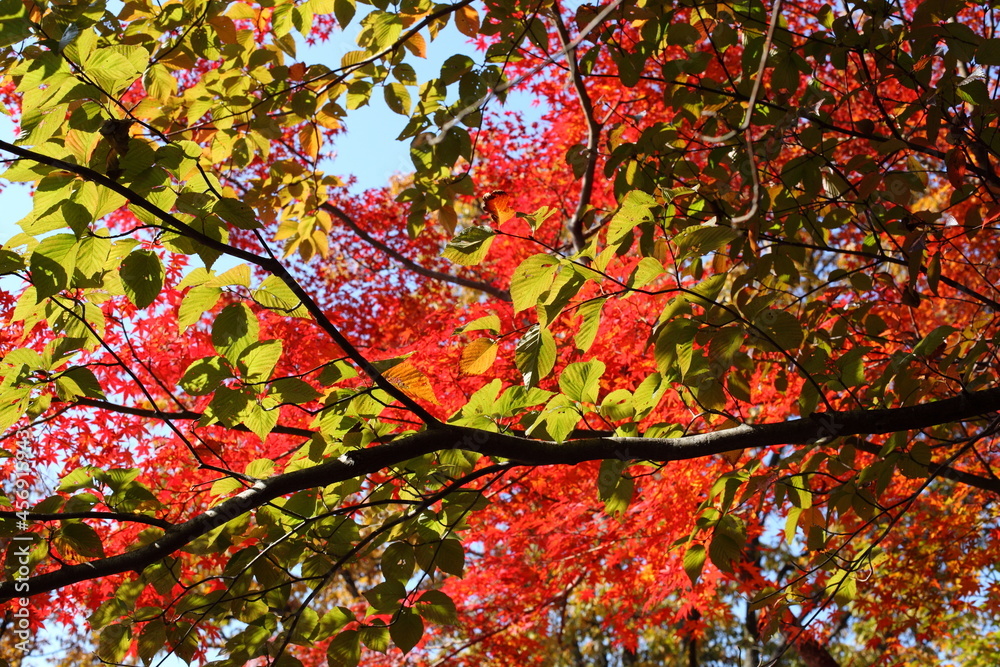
(700, 368)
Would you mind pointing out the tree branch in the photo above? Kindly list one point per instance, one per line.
(593, 132)
(272, 266)
(818, 427)
(486, 288)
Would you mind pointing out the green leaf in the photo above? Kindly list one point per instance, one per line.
(196, 303)
(728, 540)
(257, 361)
(14, 23)
(702, 239)
(142, 277)
(397, 98)
(618, 501)
(205, 375)
(114, 643)
(709, 288)
(375, 637)
(228, 406)
(450, 557)
(237, 213)
(344, 650)
(618, 405)
(293, 390)
(489, 323)
(235, 329)
(275, 295)
(78, 381)
(470, 246)
(114, 68)
(397, 562)
(343, 11)
(82, 539)
(386, 596)
(260, 420)
(933, 340)
(648, 393)
(988, 52)
(581, 381)
(535, 355)
(844, 587)
(608, 476)
(636, 207)
(647, 270)
(590, 322)
(436, 607)
(557, 421)
(694, 562)
(52, 264)
(159, 82)
(778, 327)
(531, 278)
(406, 630)
(152, 640)
(724, 550)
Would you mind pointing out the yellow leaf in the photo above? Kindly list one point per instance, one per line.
(478, 356)
(412, 380)
(467, 21)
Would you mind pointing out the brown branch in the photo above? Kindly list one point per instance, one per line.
(593, 132)
(818, 427)
(943, 470)
(486, 288)
(950, 282)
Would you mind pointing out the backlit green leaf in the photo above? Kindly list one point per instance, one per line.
(142, 276)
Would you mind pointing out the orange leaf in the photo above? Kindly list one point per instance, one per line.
(478, 356)
(309, 140)
(733, 456)
(412, 380)
(497, 204)
(448, 218)
(416, 45)
(467, 21)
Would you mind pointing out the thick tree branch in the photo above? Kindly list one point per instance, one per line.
(945, 471)
(818, 427)
(593, 133)
(268, 264)
(486, 288)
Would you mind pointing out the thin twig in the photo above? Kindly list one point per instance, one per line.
(486, 288)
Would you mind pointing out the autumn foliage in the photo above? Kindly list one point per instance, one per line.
(699, 368)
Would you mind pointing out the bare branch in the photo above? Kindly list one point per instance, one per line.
(593, 132)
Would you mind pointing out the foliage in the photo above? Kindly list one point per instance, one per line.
(710, 377)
